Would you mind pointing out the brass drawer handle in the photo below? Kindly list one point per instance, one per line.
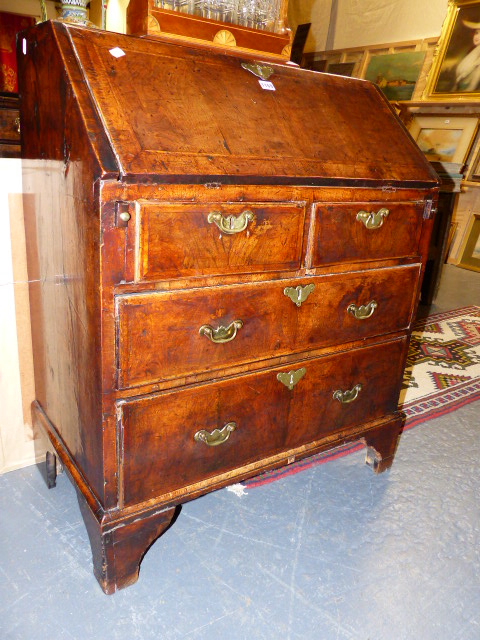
(17, 124)
(221, 334)
(373, 220)
(347, 396)
(291, 378)
(217, 436)
(364, 311)
(299, 294)
(231, 224)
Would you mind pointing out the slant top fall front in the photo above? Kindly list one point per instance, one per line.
(175, 114)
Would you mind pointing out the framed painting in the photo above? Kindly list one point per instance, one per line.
(455, 72)
(473, 174)
(396, 73)
(445, 140)
(341, 68)
(470, 256)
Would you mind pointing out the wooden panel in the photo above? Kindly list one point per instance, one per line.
(161, 454)
(341, 237)
(144, 19)
(159, 335)
(272, 239)
(174, 112)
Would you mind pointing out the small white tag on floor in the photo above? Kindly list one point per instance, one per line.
(238, 490)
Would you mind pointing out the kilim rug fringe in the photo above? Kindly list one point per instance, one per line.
(442, 375)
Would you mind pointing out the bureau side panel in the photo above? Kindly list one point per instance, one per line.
(63, 236)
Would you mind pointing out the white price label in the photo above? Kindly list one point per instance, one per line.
(117, 52)
(265, 84)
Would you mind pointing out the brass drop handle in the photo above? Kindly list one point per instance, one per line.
(231, 224)
(17, 124)
(345, 397)
(373, 220)
(291, 378)
(221, 334)
(299, 294)
(217, 436)
(364, 311)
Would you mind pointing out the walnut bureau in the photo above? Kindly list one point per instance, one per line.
(223, 275)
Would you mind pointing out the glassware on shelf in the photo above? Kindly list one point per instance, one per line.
(256, 14)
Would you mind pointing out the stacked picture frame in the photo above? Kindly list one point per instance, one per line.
(434, 86)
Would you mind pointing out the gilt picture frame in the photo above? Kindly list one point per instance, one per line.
(455, 71)
(470, 253)
(444, 139)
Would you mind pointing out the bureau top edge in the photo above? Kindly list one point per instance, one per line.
(152, 111)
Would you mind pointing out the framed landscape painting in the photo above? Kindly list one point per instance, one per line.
(444, 139)
(396, 73)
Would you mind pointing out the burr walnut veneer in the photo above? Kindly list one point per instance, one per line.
(223, 273)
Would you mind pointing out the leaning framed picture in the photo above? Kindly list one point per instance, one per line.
(470, 254)
(396, 73)
(444, 139)
(455, 72)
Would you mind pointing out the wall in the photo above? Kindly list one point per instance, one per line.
(356, 23)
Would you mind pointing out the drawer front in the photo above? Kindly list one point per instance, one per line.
(366, 231)
(167, 335)
(256, 416)
(9, 125)
(177, 240)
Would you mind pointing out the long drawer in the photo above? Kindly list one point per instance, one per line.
(184, 239)
(167, 335)
(366, 231)
(170, 440)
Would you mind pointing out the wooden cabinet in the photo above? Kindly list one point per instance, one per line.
(223, 276)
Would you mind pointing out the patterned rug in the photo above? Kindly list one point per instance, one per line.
(442, 374)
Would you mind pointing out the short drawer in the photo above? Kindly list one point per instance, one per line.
(189, 239)
(170, 441)
(366, 231)
(167, 335)
(9, 125)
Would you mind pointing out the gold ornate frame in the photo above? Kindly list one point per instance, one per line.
(453, 46)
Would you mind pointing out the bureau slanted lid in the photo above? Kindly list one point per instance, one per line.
(177, 114)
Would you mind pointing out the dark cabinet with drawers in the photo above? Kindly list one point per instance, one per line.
(223, 273)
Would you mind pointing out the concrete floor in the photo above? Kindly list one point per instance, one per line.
(332, 553)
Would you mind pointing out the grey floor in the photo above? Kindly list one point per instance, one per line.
(332, 553)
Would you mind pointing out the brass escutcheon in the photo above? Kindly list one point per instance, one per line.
(217, 436)
(373, 220)
(221, 334)
(347, 396)
(262, 71)
(291, 378)
(299, 294)
(231, 224)
(364, 311)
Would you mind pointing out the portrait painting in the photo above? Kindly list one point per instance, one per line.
(456, 69)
